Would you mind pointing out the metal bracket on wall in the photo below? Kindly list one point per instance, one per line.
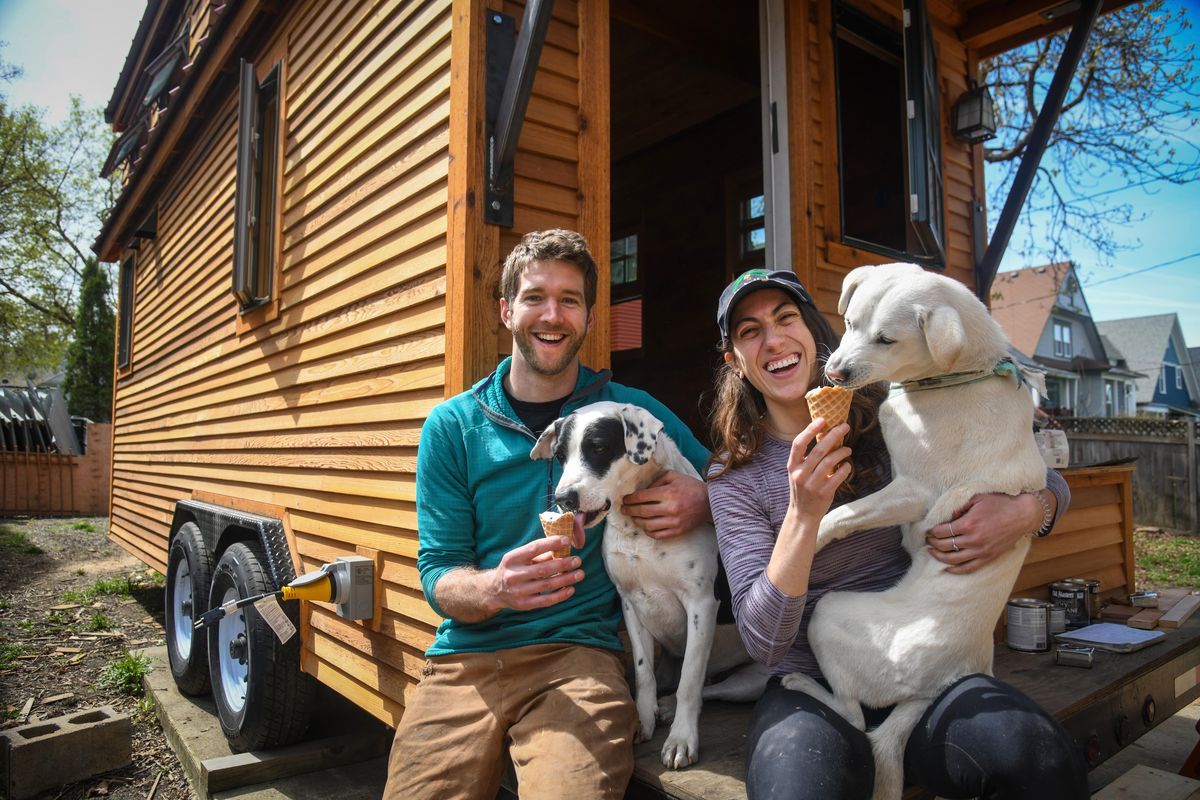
(511, 65)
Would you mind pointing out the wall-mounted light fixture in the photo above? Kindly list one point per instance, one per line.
(974, 115)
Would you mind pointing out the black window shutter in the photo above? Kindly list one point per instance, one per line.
(926, 204)
(243, 239)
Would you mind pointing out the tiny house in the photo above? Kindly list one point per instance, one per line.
(317, 198)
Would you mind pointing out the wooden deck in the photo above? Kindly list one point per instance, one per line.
(1089, 702)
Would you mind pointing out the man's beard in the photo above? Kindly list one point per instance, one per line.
(532, 357)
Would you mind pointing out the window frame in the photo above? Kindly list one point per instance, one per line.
(126, 284)
(1178, 377)
(1162, 380)
(258, 196)
(923, 191)
(1063, 346)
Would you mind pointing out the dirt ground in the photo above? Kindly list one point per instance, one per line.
(66, 615)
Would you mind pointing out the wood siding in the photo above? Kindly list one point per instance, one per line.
(821, 259)
(318, 411)
(313, 412)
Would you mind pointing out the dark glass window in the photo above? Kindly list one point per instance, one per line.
(125, 313)
(889, 161)
(256, 202)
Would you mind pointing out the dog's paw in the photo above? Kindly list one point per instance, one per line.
(666, 709)
(681, 750)
(645, 731)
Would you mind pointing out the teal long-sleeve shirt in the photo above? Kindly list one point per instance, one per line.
(479, 495)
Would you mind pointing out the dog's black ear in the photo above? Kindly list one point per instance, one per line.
(544, 448)
(945, 335)
(641, 433)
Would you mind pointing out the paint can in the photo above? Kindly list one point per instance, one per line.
(1072, 597)
(1093, 597)
(1058, 619)
(1028, 627)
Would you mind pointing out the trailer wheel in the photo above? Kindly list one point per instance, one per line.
(262, 698)
(189, 576)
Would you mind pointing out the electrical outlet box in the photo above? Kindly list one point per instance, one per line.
(354, 578)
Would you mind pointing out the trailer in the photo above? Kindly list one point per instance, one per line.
(316, 200)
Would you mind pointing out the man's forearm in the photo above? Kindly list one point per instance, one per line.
(464, 594)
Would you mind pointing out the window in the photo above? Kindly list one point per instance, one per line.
(625, 315)
(1179, 377)
(1062, 340)
(1110, 399)
(752, 229)
(1060, 394)
(1162, 380)
(125, 313)
(255, 204)
(889, 135)
(623, 255)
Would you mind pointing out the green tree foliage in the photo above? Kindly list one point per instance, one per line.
(1128, 120)
(88, 384)
(52, 201)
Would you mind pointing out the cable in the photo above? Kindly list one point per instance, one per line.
(1102, 280)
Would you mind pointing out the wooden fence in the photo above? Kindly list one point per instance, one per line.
(53, 484)
(1166, 483)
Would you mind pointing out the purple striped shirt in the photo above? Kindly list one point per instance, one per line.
(748, 505)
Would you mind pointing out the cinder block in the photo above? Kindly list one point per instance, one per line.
(54, 752)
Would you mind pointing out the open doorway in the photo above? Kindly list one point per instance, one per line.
(688, 210)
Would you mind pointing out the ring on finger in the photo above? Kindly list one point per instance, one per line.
(954, 544)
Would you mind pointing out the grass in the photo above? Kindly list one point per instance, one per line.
(120, 586)
(84, 526)
(1166, 560)
(126, 674)
(9, 652)
(5, 604)
(16, 541)
(98, 622)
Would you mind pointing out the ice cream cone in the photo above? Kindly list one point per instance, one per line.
(558, 523)
(830, 402)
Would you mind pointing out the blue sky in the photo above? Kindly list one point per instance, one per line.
(78, 46)
(1170, 231)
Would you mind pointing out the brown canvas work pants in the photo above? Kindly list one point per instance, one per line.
(564, 712)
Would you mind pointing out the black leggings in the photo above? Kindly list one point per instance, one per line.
(979, 738)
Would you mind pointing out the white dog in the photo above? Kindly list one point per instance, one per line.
(957, 423)
(608, 450)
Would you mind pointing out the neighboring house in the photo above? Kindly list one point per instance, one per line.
(1044, 313)
(1154, 346)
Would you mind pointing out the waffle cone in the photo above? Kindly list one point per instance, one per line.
(830, 402)
(556, 523)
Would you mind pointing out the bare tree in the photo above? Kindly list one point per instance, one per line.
(1128, 121)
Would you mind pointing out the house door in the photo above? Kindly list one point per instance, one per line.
(689, 209)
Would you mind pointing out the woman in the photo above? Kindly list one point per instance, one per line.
(769, 491)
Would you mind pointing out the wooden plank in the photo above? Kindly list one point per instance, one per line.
(593, 148)
(1147, 783)
(1145, 619)
(1181, 612)
(244, 769)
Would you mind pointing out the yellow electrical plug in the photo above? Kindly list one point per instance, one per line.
(313, 586)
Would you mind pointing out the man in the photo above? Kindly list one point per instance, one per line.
(528, 657)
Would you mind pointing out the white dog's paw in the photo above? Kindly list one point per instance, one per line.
(666, 709)
(645, 731)
(681, 749)
(799, 682)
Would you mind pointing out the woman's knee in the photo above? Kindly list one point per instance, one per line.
(798, 748)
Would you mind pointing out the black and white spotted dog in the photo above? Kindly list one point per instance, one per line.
(608, 450)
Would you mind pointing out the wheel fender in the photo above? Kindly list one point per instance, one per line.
(222, 526)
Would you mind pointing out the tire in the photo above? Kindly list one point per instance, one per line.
(189, 577)
(262, 698)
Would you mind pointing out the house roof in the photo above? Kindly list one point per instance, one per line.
(1023, 299)
(1143, 342)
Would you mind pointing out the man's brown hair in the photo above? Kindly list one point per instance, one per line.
(552, 245)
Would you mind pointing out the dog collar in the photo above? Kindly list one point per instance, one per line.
(1006, 366)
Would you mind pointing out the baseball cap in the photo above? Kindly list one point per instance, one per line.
(751, 281)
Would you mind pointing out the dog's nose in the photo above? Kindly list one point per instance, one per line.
(834, 374)
(568, 500)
